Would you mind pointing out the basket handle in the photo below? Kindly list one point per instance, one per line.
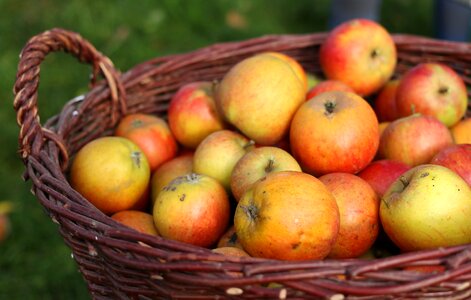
(32, 135)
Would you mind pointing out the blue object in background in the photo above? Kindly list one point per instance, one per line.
(344, 10)
(452, 18)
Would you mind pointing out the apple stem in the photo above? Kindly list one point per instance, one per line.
(374, 53)
(214, 85)
(249, 144)
(136, 123)
(136, 157)
(251, 211)
(270, 165)
(404, 181)
(329, 107)
(192, 177)
(443, 90)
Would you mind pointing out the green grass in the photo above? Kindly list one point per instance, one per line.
(34, 262)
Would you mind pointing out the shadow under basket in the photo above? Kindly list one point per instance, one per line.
(119, 263)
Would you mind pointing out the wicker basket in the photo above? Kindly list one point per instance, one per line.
(119, 263)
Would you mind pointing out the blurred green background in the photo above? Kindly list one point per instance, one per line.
(34, 262)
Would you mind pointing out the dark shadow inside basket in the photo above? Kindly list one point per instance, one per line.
(120, 263)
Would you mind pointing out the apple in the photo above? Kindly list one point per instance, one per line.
(327, 86)
(312, 80)
(111, 172)
(385, 102)
(259, 96)
(193, 209)
(361, 53)
(4, 227)
(334, 132)
(382, 127)
(192, 113)
(414, 140)
(432, 89)
(5, 209)
(178, 166)
(295, 67)
(359, 220)
(218, 153)
(457, 158)
(256, 164)
(380, 174)
(151, 134)
(427, 207)
(287, 215)
(137, 220)
(229, 239)
(231, 251)
(461, 131)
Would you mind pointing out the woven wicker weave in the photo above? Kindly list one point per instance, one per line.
(119, 263)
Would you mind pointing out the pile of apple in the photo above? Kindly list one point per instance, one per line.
(262, 164)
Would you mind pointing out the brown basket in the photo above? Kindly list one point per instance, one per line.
(120, 263)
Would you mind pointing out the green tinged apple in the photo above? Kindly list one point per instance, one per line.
(427, 207)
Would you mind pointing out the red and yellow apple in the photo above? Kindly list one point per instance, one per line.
(361, 53)
(385, 102)
(457, 158)
(432, 89)
(427, 207)
(151, 134)
(137, 220)
(194, 209)
(359, 220)
(5, 209)
(287, 215)
(231, 251)
(380, 174)
(168, 171)
(229, 239)
(260, 94)
(218, 153)
(192, 113)
(110, 172)
(414, 140)
(328, 86)
(256, 164)
(334, 132)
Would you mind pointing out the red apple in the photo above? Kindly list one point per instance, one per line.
(359, 220)
(360, 53)
(193, 209)
(385, 102)
(192, 113)
(380, 174)
(414, 140)
(151, 134)
(327, 86)
(168, 171)
(334, 132)
(432, 89)
(457, 158)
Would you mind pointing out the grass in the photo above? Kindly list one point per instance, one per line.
(34, 262)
